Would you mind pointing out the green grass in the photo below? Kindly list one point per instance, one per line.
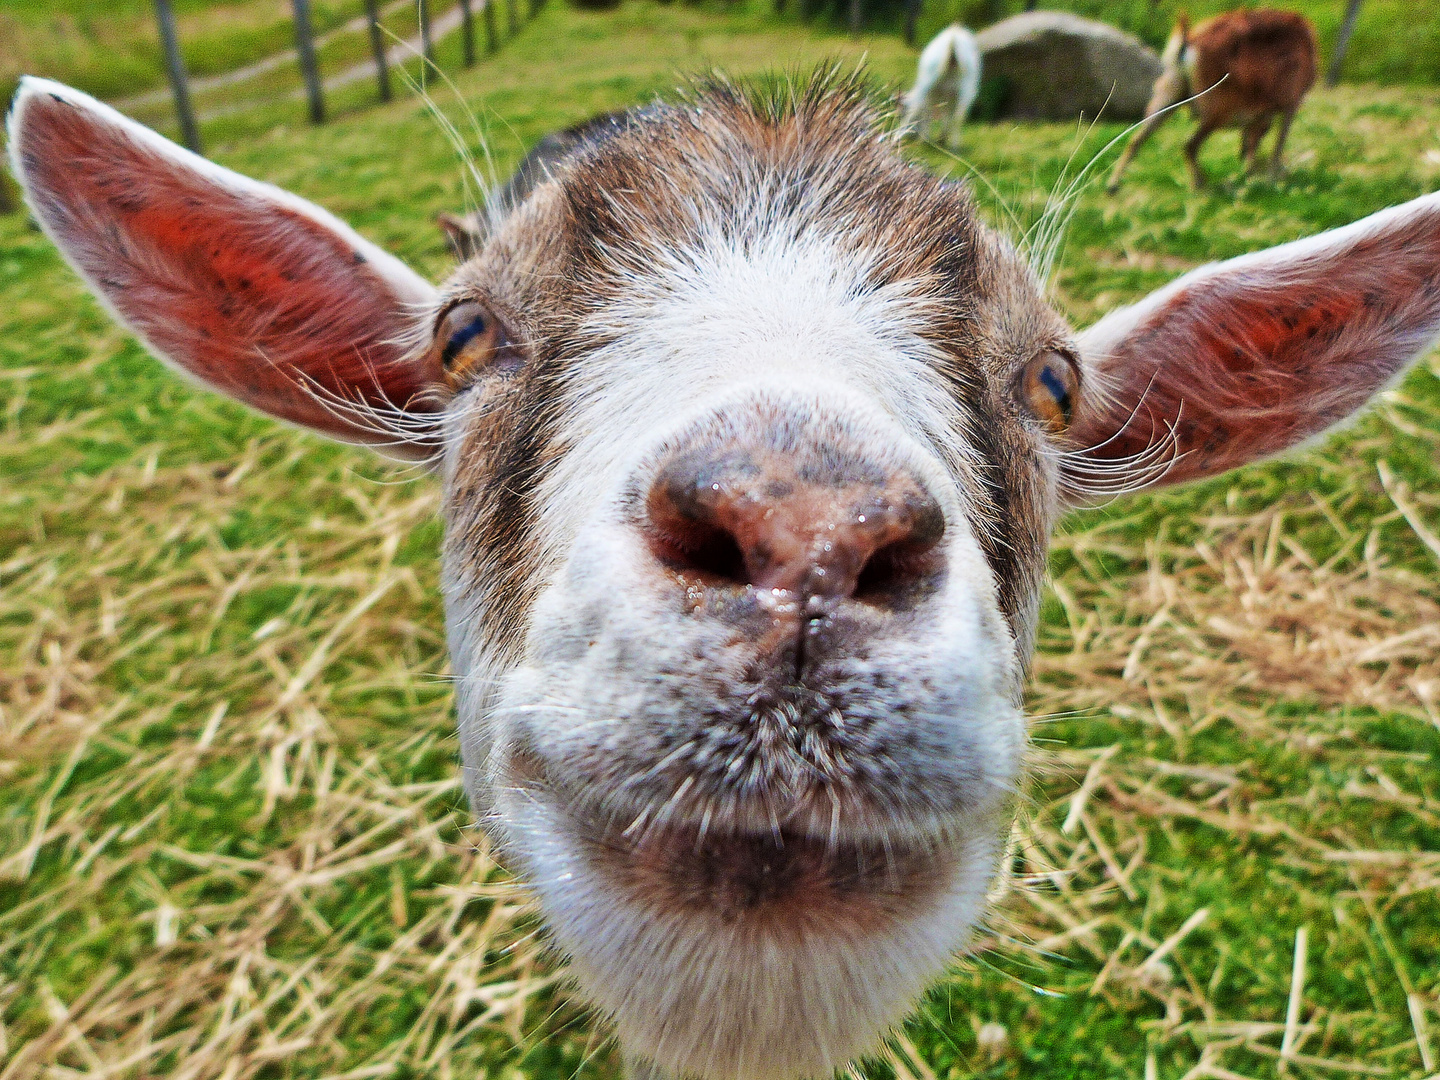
(232, 841)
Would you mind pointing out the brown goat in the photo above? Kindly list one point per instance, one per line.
(1243, 69)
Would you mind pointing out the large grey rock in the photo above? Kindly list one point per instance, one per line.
(1050, 65)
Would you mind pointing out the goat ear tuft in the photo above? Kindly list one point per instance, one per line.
(466, 235)
(253, 291)
(1246, 358)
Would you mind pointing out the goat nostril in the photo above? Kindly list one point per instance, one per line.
(688, 527)
(906, 558)
(889, 570)
(878, 576)
(703, 549)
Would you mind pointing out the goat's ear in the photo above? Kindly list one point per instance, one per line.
(465, 235)
(1246, 358)
(253, 291)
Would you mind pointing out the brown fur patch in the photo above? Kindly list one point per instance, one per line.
(1252, 62)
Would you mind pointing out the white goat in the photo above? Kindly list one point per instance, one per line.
(752, 436)
(947, 75)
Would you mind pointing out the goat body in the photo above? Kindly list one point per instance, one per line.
(1244, 69)
(947, 76)
(752, 436)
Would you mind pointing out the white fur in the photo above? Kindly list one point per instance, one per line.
(1178, 55)
(947, 74)
(723, 315)
(680, 996)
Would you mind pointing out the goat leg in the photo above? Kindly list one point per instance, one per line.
(957, 125)
(1192, 151)
(1168, 92)
(914, 116)
(1277, 168)
(1250, 140)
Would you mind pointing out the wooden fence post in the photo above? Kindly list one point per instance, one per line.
(377, 46)
(179, 81)
(912, 16)
(309, 68)
(1342, 43)
(514, 12)
(427, 46)
(492, 35)
(857, 17)
(467, 33)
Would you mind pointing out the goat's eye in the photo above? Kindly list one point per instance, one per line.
(468, 338)
(1049, 386)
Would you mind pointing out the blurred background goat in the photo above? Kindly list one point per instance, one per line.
(1243, 69)
(948, 76)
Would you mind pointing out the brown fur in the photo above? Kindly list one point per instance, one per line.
(1250, 68)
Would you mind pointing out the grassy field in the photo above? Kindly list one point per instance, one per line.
(232, 840)
(112, 49)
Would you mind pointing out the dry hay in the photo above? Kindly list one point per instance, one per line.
(1226, 631)
(342, 887)
(329, 728)
(324, 732)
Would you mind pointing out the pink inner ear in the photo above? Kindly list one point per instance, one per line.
(245, 288)
(1249, 358)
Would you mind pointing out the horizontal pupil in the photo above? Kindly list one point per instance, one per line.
(462, 337)
(1057, 389)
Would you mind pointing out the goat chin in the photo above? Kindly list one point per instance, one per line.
(707, 971)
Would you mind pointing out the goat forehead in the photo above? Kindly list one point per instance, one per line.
(825, 166)
(736, 310)
(710, 246)
(726, 175)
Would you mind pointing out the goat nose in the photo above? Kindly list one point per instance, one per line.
(763, 525)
